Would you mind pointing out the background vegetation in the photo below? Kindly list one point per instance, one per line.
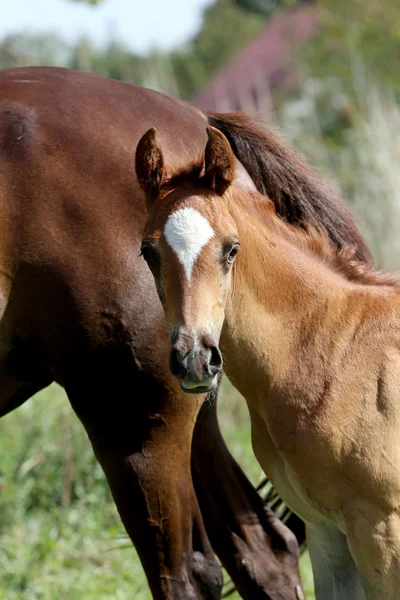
(60, 536)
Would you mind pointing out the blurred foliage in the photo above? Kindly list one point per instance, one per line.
(226, 28)
(260, 7)
(22, 49)
(113, 61)
(357, 40)
(355, 31)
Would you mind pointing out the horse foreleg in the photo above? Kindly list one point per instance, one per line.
(142, 438)
(259, 552)
(374, 541)
(335, 574)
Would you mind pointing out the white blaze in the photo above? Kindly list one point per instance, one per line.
(187, 232)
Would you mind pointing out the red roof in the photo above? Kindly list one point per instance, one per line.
(262, 61)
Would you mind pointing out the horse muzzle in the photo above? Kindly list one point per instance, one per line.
(195, 362)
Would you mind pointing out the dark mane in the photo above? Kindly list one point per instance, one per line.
(299, 195)
(346, 262)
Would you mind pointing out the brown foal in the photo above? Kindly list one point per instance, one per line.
(309, 335)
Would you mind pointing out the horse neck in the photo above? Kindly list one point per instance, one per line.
(284, 309)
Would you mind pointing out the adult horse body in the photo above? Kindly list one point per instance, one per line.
(78, 306)
(310, 336)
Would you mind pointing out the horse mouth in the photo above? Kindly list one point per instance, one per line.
(191, 388)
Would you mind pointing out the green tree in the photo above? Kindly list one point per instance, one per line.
(353, 32)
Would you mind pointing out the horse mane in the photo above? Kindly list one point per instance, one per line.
(299, 195)
(344, 260)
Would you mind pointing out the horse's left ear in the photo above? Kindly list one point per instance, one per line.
(219, 161)
(149, 162)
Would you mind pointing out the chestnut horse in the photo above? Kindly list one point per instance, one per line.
(78, 306)
(310, 337)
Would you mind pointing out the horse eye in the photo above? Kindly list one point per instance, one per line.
(232, 253)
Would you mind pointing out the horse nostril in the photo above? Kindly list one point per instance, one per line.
(216, 357)
(215, 362)
(194, 364)
(177, 364)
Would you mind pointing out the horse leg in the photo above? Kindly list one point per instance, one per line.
(335, 573)
(374, 541)
(259, 552)
(141, 432)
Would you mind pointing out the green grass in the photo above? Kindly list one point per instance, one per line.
(60, 535)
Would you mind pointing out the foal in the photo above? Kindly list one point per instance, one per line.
(311, 339)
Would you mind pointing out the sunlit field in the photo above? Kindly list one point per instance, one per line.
(60, 535)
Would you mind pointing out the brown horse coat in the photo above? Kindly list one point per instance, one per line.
(78, 306)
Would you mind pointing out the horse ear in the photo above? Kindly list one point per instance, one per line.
(149, 163)
(219, 161)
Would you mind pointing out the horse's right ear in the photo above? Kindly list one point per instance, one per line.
(149, 163)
